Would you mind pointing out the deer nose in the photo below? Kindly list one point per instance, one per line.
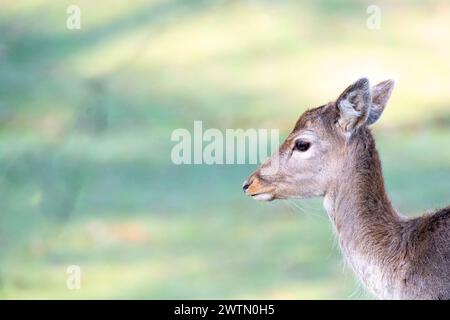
(245, 186)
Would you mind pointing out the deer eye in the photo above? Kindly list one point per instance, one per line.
(302, 145)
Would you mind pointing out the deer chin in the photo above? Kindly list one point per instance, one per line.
(264, 196)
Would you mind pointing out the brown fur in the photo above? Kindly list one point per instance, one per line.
(394, 256)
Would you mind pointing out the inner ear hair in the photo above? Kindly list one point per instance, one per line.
(354, 105)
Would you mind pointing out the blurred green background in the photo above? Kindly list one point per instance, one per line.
(86, 117)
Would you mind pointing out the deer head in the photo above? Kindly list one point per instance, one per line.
(321, 145)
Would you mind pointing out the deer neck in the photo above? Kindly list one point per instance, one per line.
(367, 225)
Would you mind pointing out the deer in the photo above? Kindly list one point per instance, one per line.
(331, 153)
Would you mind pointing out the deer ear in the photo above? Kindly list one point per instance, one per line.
(380, 96)
(354, 105)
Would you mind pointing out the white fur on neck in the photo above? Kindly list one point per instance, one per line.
(368, 272)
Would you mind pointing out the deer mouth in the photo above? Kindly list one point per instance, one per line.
(258, 191)
(262, 196)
